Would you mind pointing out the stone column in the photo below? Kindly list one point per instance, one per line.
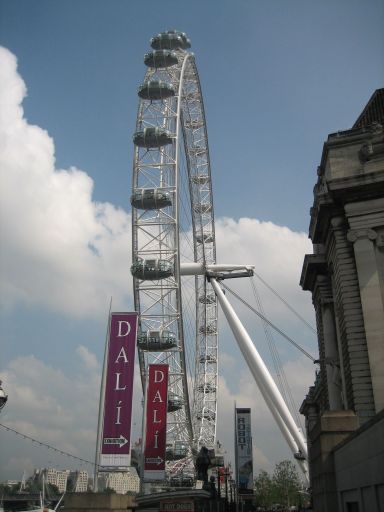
(331, 361)
(372, 305)
(332, 429)
(353, 350)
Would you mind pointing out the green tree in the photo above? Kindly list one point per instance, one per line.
(264, 489)
(8, 490)
(286, 483)
(109, 490)
(33, 487)
(51, 490)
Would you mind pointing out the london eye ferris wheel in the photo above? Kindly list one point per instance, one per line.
(173, 232)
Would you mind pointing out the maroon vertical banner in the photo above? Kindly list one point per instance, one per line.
(116, 435)
(156, 422)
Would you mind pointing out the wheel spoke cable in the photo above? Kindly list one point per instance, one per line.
(263, 317)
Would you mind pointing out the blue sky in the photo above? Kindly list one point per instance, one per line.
(277, 77)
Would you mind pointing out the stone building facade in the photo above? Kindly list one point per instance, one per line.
(344, 409)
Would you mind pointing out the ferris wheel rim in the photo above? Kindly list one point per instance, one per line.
(180, 133)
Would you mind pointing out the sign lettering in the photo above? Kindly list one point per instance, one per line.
(156, 422)
(116, 434)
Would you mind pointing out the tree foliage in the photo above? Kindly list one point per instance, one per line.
(9, 490)
(109, 490)
(264, 490)
(281, 487)
(33, 486)
(287, 483)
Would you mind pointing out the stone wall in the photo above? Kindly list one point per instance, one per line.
(346, 278)
(97, 502)
(359, 467)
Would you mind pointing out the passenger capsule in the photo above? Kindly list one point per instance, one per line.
(152, 137)
(182, 481)
(207, 415)
(194, 124)
(175, 402)
(192, 96)
(183, 35)
(204, 238)
(208, 329)
(169, 41)
(197, 150)
(299, 456)
(210, 298)
(202, 207)
(200, 179)
(156, 90)
(207, 359)
(160, 59)
(156, 341)
(150, 199)
(206, 388)
(176, 451)
(151, 270)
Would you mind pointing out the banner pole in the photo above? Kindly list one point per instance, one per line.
(143, 428)
(101, 404)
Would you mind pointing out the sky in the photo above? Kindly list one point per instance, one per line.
(277, 77)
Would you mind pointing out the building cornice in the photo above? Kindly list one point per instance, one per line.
(314, 264)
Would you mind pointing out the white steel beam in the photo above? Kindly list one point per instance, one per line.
(193, 269)
(264, 380)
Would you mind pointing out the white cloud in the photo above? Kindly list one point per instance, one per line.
(277, 253)
(269, 446)
(56, 409)
(87, 357)
(65, 252)
(62, 251)
(49, 406)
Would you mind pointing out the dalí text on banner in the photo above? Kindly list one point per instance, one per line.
(156, 422)
(116, 436)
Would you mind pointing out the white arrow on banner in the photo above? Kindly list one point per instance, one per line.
(121, 441)
(154, 460)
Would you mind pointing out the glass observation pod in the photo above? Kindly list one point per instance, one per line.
(200, 179)
(151, 270)
(182, 481)
(152, 137)
(176, 451)
(217, 460)
(160, 59)
(206, 237)
(207, 415)
(197, 150)
(171, 40)
(206, 388)
(187, 42)
(192, 96)
(207, 359)
(150, 199)
(202, 207)
(156, 90)
(194, 124)
(210, 298)
(208, 329)
(175, 402)
(156, 341)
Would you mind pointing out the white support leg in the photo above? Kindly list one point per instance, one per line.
(286, 433)
(263, 378)
(198, 269)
